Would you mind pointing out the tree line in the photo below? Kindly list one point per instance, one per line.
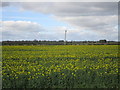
(60, 42)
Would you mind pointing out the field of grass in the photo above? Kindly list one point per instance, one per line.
(63, 66)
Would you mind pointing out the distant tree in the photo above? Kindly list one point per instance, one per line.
(61, 40)
(35, 40)
(102, 41)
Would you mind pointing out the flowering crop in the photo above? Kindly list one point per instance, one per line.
(60, 66)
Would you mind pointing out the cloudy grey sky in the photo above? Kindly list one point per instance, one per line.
(48, 20)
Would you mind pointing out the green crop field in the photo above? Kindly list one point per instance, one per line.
(60, 66)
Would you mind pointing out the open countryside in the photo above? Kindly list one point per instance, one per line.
(69, 44)
(60, 66)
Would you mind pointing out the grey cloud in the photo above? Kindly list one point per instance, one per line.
(70, 8)
(62, 0)
(73, 8)
(93, 16)
(91, 22)
(4, 4)
(100, 18)
(82, 35)
(20, 30)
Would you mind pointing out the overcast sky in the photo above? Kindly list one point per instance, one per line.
(48, 20)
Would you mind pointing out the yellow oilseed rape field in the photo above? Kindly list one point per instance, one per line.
(60, 66)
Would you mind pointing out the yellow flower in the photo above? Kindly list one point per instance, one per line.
(28, 72)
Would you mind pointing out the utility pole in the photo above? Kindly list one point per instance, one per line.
(65, 37)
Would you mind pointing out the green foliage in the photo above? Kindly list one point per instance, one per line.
(60, 66)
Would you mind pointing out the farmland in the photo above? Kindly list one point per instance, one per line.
(60, 66)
